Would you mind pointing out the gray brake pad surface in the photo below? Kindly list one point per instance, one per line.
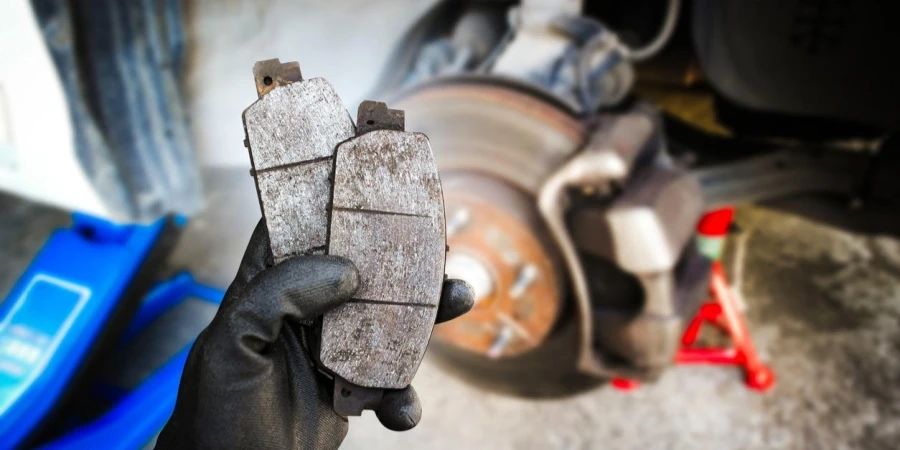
(372, 196)
(292, 132)
(388, 217)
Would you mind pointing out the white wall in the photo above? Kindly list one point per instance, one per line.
(345, 41)
(37, 150)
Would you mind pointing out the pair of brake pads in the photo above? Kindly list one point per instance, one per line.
(369, 192)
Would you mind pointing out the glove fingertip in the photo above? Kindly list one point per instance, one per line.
(334, 275)
(347, 279)
(457, 298)
(400, 410)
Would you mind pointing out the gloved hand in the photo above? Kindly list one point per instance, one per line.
(249, 381)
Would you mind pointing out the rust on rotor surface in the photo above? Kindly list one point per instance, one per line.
(514, 139)
(521, 299)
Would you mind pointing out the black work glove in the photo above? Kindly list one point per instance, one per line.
(249, 381)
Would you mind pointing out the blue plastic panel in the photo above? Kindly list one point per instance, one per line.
(32, 330)
(142, 413)
(56, 311)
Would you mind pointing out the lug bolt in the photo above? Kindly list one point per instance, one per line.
(458, 221)
(504, 337)
(524, 279)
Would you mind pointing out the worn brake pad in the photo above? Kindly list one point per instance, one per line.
(371, 195)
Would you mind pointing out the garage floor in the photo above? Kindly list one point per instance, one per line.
(824, 308)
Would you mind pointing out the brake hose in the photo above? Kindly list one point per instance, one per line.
(662, 37)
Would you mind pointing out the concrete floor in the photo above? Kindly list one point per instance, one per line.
(824, 308)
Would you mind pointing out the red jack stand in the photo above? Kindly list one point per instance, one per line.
(723, 312)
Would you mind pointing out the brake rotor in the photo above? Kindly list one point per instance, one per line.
(493, 127)
(494, 145)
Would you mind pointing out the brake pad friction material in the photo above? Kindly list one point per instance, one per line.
(292, 131)
(388, 218)
(375, 199)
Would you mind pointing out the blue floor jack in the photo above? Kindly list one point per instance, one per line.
(90, 288)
